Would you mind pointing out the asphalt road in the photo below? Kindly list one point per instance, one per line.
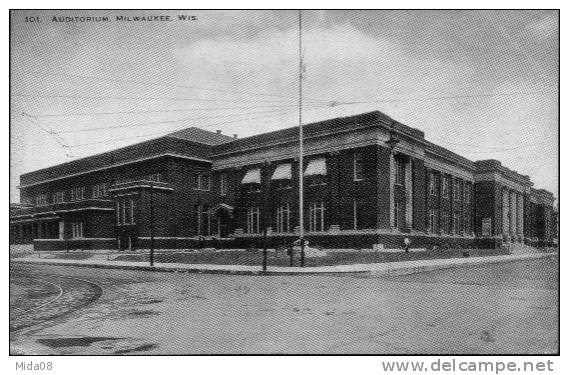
(494, 309)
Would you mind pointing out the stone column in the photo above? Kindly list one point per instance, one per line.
(520, 216)
(505, 213)
(334, 194)
(513, 218)
(391, 191)
(409, 194)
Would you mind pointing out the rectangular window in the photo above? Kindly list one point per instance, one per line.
(467, 224)
(203, 220)
(467, 194)
(445, 186)
(41, 200)
(432, 219)
(252, 188)
(223, 184)
(363, 217)
(358, 167)
(253, 215)
(433, 184)
(399, 172)
(123, 212)
(59, 197)
(316, 180)
(100, 190)
(457, 191)
(202, 181)
(397, 214)
(205, 182)
(78, 193)
(316, 222)
(132, 211)
(445, 222)
(457, 223)
(283, 219)
(156, 177)
(77, 229)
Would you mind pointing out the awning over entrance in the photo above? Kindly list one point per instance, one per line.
(282, 172)
(253, 176)
(316, 167)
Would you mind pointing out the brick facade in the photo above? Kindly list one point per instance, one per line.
(360, 194)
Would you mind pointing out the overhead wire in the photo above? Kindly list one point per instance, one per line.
(56, 96)
(121, 80)
(58, 138)
(274, 111)
(169, 131)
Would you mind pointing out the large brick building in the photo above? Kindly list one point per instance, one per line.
(198, 188)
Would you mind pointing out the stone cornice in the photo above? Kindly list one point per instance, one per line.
(453, 170)
(500, 179)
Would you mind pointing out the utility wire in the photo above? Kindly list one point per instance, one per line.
(467, 96)
(273, 111)
(161, 84)
(329, 103)
(166, 110)
(173, 130)
(53, 133)
(55, 96)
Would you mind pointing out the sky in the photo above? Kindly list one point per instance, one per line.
(483, 84)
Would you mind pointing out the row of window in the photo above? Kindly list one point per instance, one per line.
(100, 190)
(316, 218)
(155, 177)
(77, 229)
(461, 223)
(126, 211)
(315, 173)
(460, 191)
(71, 195)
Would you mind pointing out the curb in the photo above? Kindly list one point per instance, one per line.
(391, 269)
(473, 262)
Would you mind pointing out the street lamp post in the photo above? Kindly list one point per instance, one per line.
(151, 224)
(301, 143)
(265, 250)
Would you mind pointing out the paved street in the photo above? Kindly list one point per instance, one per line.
(499, 308)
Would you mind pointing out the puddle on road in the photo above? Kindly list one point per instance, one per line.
(112, 345)
(141, 348)
(66, 342)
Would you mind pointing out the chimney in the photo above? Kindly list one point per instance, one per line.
(218, 131)
(234, 136)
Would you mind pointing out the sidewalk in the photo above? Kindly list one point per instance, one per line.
(391, 268)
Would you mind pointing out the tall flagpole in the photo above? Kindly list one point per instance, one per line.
(301, 142)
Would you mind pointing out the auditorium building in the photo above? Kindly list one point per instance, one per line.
(370, 181)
